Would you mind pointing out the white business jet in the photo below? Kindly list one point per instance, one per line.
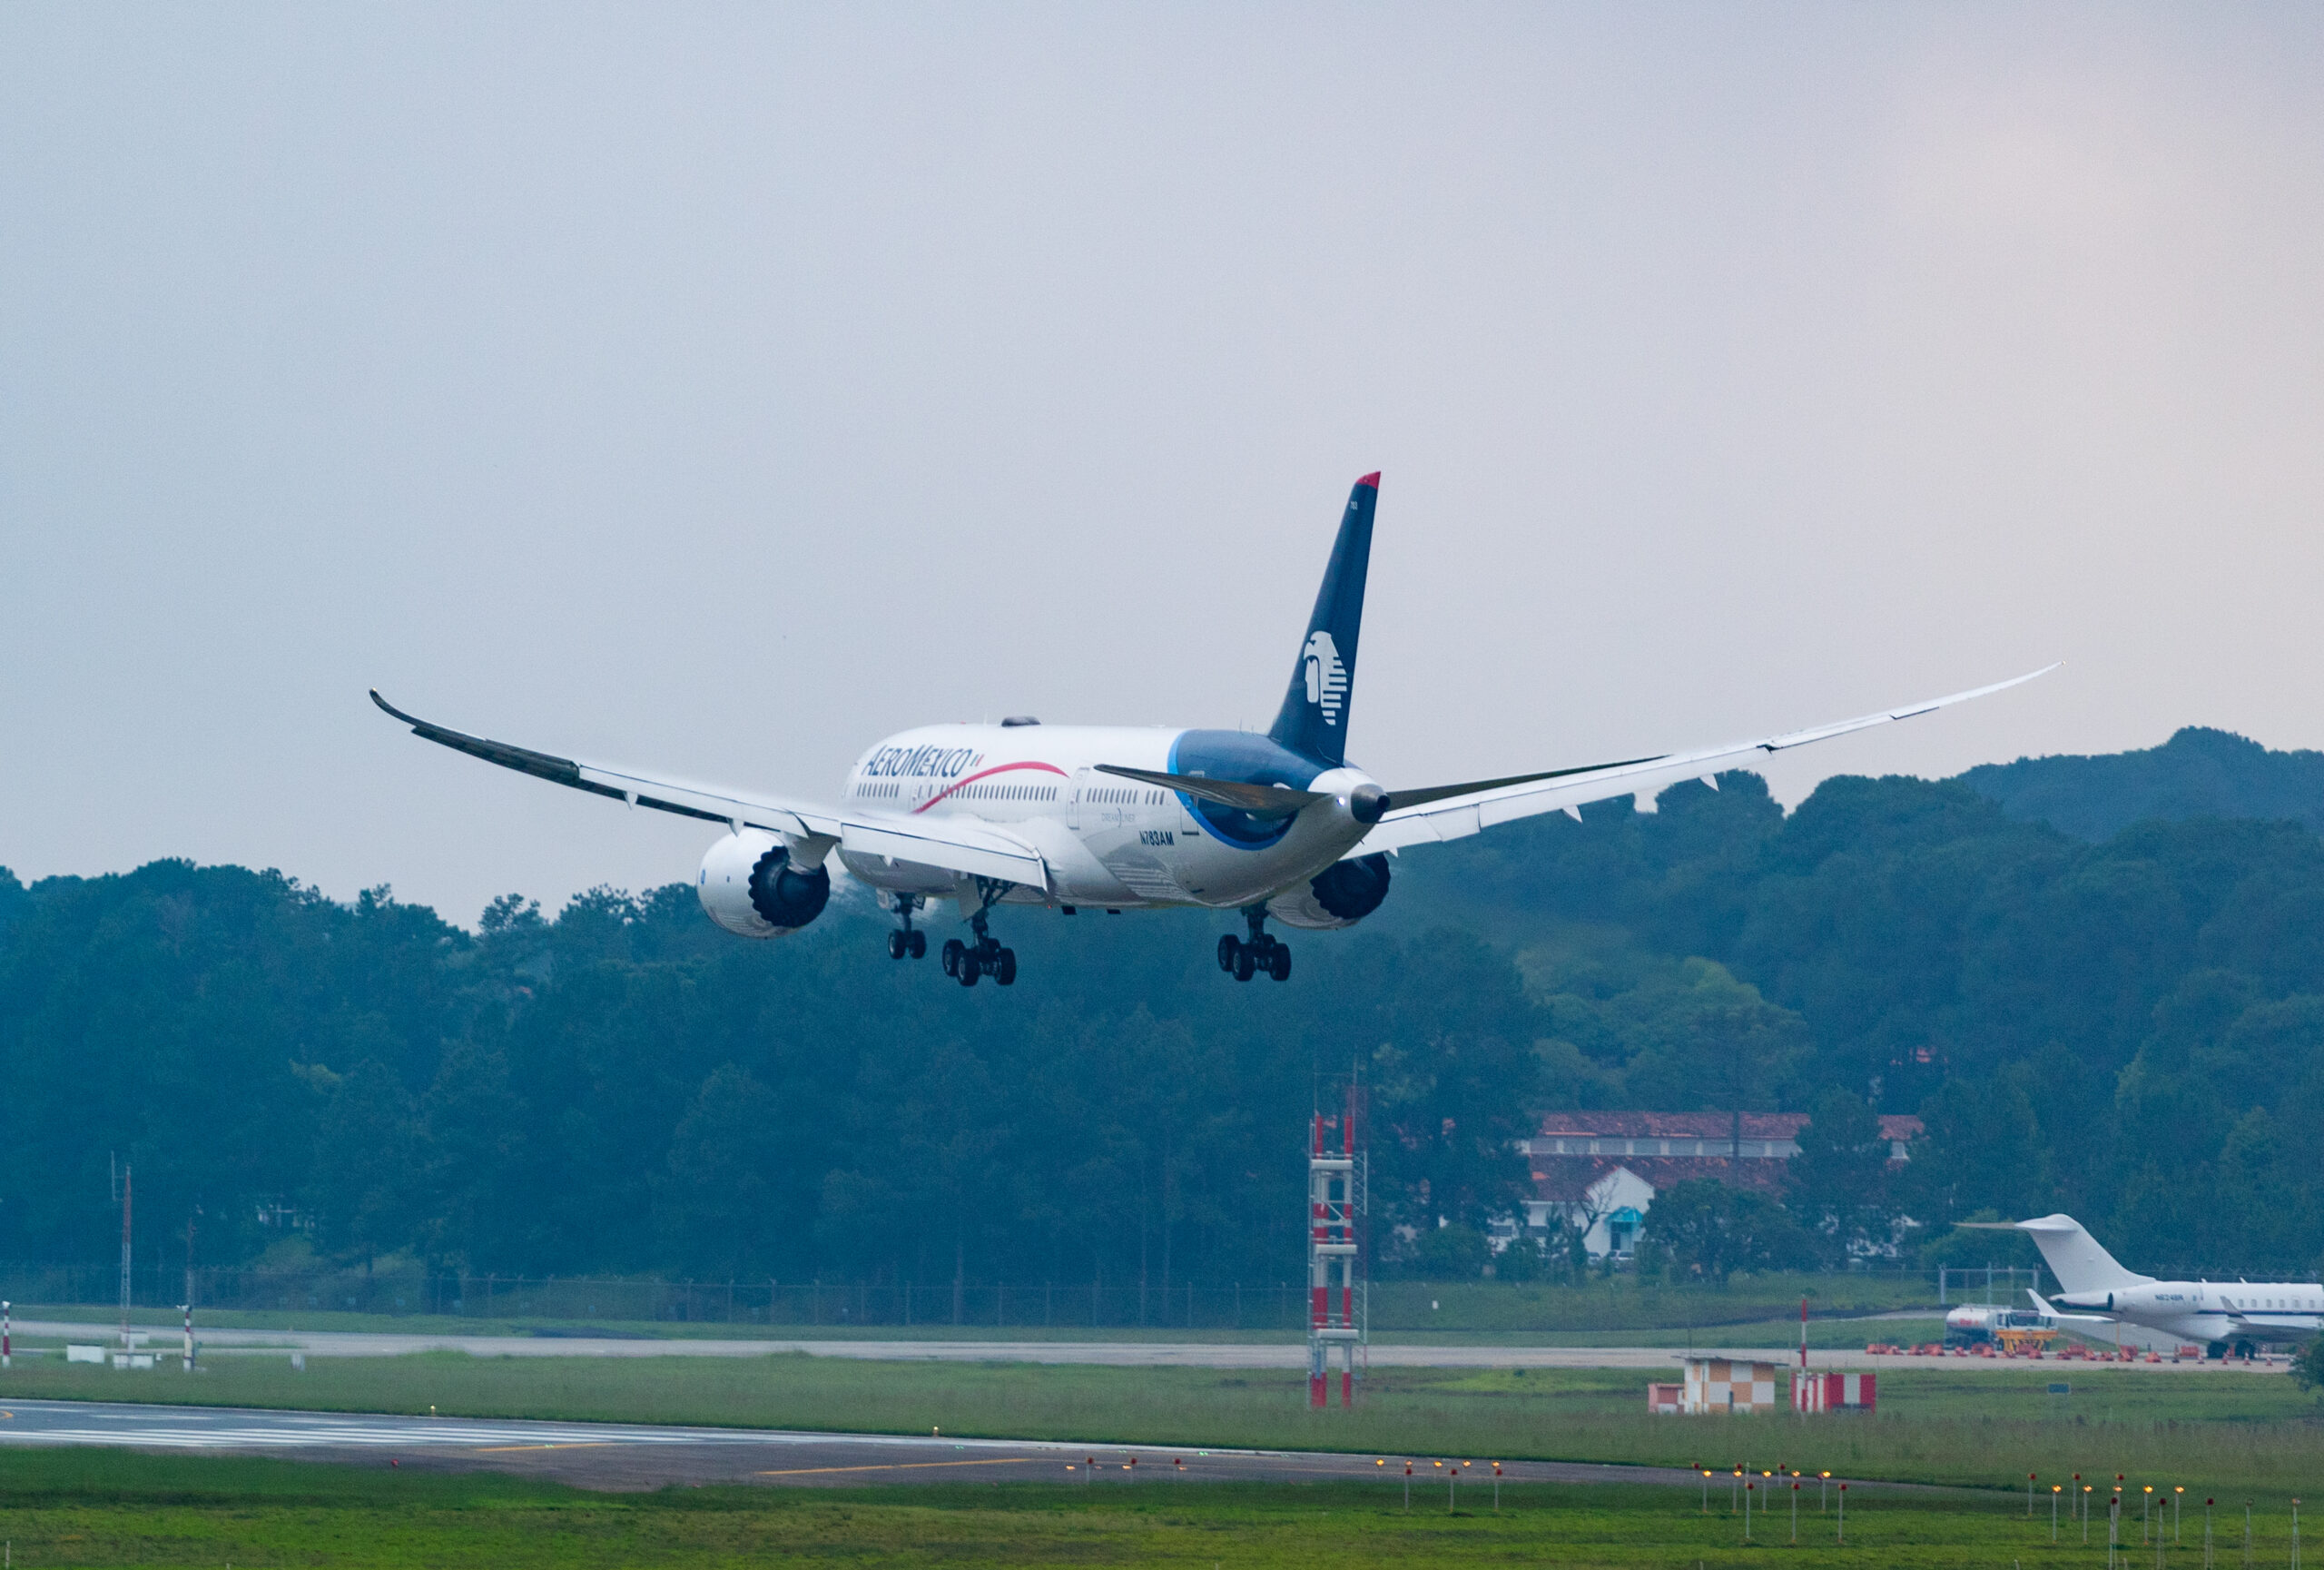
(2225, 1317)
(1118, 818)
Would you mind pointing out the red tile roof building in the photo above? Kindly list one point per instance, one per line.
(1576, 1154)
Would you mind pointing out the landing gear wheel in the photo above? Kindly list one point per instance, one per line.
(1004, 972)
(916, 944)
(1279, 963)
(953, 950)
(970, 968)
(1227, 945)
(895, 945)
(1246, 962)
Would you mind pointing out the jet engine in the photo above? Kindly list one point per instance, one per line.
(752, 885)
(1340, 895)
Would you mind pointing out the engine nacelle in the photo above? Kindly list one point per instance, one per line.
(1340, 895)
(750, 885)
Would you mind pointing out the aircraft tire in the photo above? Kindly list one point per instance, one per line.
(916, 944)
(1004, 973)
(953, 950)
(1246, 964)
(1279, 963)
(895, 945)
(969, 970)
(1226, 947)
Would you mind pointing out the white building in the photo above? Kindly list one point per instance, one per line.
(1600, 1171)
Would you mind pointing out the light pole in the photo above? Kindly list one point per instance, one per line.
(1748, 1489)
(1843, 1536)
(1795, 1523)
(1824, 1494)
(1706, 1472)
(2055, 1489)
(2029, 1496)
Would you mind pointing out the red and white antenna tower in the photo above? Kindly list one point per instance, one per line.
(1334, 1200)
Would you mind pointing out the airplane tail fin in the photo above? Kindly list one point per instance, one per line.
(1314, 718)
(2075, 1257)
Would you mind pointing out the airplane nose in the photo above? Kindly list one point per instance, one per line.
(1366, 803)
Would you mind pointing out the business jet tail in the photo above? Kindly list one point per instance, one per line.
(1313, 719)
(2076, 1260)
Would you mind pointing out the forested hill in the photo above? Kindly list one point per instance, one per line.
(2198, 772)
(2131, 1029)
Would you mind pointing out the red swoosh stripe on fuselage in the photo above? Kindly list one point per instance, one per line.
(987, 774)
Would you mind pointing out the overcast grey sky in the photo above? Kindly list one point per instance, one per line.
(714, 390)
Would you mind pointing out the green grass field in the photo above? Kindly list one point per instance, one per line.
(2216, 1431)
(107, 1509)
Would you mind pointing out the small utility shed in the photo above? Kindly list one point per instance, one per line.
(1726, 1385)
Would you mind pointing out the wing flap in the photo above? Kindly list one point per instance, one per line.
(978, 852)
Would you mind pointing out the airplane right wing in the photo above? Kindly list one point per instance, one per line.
(954, 844)
(1451, 811)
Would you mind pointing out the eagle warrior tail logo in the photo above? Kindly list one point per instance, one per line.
(1326, 676)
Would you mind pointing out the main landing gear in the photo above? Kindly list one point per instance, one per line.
(907, 939)
(1246, 957)
(984, 957)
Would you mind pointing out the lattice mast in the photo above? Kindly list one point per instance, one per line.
(1332, 1253)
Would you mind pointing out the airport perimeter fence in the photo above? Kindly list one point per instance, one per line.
(1278, 1306)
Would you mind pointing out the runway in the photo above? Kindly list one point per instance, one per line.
(616, 1457)
(1282, 1355)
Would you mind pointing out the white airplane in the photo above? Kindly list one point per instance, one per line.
(1121, 818)
(2226, 1316)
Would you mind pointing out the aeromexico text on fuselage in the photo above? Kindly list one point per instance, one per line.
(1109, 842)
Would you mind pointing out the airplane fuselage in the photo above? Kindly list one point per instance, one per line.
(1110, 843)
(2212, 1311)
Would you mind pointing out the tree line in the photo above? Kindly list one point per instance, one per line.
(2127, 1029)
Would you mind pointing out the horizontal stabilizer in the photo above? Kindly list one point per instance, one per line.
(1420, 798)
(1261, 801)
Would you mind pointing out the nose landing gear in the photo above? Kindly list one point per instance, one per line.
(966, 963)
(1262, 951)
(907, 939)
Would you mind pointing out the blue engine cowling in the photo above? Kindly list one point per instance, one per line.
(1340, 895)
(749, 886)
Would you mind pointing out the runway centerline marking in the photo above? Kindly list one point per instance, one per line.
(565, 1444)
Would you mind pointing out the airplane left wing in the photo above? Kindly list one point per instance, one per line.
(977, 850)
(1451, 811)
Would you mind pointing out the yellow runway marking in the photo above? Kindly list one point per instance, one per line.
(575, 1445)
(900, 1467)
